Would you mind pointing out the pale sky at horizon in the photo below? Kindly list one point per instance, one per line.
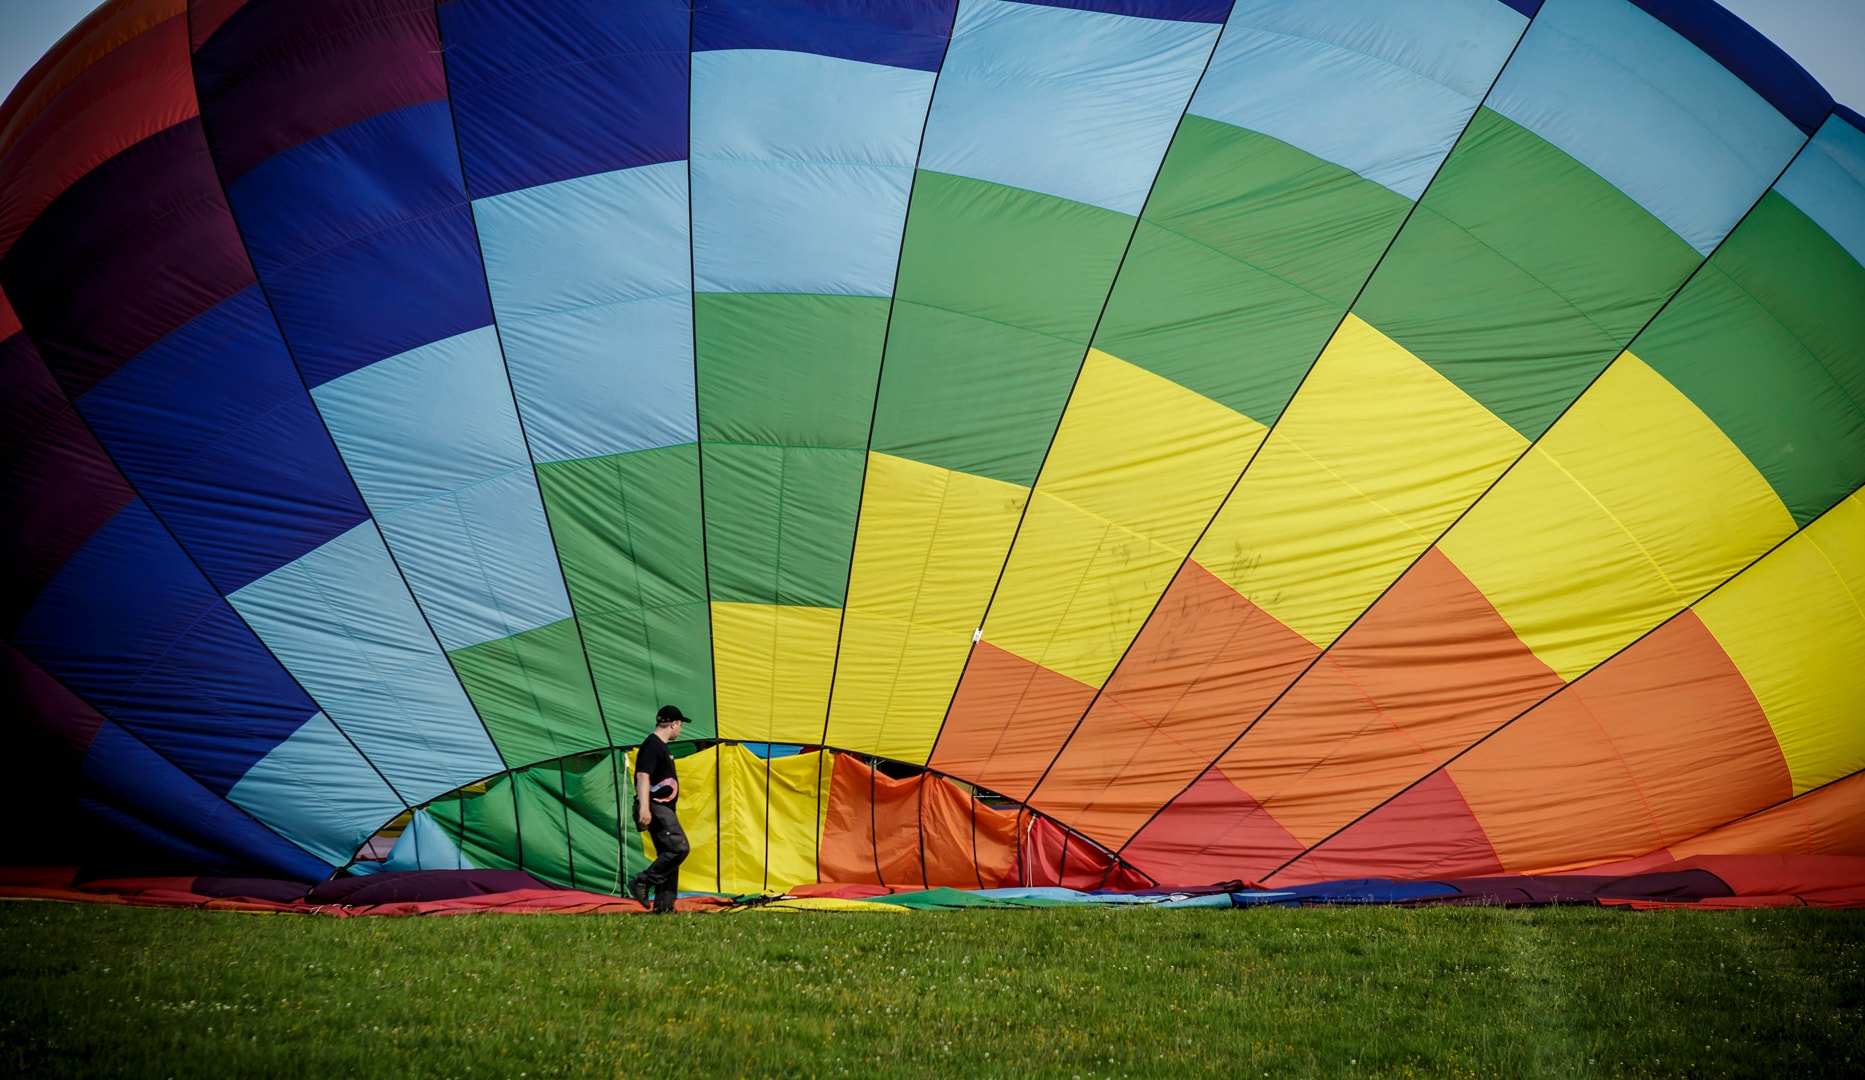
(1827, 37)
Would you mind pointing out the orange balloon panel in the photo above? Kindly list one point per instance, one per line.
(1427, 832)
(1824, 821)
(1007, 758)
(59, 140)
(1658, 744)
(1207, 663)
(918, 831)
(1213, 832)
(1427, 671)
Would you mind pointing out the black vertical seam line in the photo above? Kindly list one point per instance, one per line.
(1107, 875)
(718, 817)
(1113, 282)
(1270, 431)
(615, 756)
(699, 436)
(1557, 691)
(634, 558)
(972, 806)
(816, 822)
(770, 720)
(478, 562)
(498, 335)
(518, 827)
(1326, 652)
(147, 745)
(1264, 441)
(699, 461)
(1024, 847)
(292, 354)
(874, 840)
(767, 818)
(920, 810)
(874, 410)
(563, 796)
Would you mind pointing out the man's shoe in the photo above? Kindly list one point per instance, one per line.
(639, 890)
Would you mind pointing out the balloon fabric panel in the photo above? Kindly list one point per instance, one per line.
(628, 535)
(915, 831)
(1365, 720)
(1260, 440)
(774, 664)
(1597, 77)
(1344, 494)
(61, 487)
(141, 791)
(49, 148)
(1135, 470)
(101, 289)
(1659, 743)
(926, 558)
(802, 163)
(1207, 657)
(1821, 822)
(1428, 831)
(1627, 547)
(1248, 254)
(1519, 251)
(1794, 627)
(1778, 294)
(1485, 146)
(213, 426)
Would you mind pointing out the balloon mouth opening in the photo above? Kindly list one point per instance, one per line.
(577, 806)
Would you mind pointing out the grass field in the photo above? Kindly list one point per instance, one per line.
(107, 991)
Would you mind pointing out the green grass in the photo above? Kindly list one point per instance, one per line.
(102, 991)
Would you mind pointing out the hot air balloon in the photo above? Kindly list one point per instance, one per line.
(1100, 442)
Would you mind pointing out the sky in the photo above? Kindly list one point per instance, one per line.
(1827, 37)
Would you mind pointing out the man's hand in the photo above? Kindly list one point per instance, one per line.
(643, 818)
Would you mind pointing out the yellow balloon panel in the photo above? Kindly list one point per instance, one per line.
(773, 665)
(699, 819)
(1138, 467)
(754, 825)
(927, 554)
(1629, 509)
(1141, 450)
(797, 804)
(1373, 458)
(1077, 592)
(741, 820)
(1795, 626)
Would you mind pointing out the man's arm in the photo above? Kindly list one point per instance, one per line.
(642, 817)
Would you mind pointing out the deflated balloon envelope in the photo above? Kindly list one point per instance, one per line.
(1097, 442)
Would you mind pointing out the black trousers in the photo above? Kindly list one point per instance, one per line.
(670, 850)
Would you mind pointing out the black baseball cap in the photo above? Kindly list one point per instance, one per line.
(668, 715)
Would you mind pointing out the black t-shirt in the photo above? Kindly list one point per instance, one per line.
(653, 759)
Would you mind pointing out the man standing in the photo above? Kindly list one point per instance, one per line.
(657, 793)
